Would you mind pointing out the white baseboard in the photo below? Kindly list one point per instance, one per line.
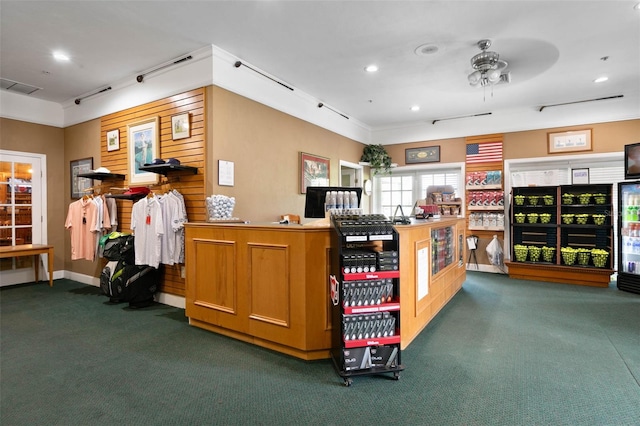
(487, 268)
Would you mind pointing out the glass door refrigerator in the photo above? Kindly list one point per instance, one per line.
(629, 236)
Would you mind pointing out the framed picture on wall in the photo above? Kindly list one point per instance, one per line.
(314, 171)
(113, 140)
(180, 126)
(572, 141)
(429, 154)
(80, 184)
(144, 146)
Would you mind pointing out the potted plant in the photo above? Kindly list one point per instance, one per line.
(377, 157)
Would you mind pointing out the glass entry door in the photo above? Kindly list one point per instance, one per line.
(21, 209)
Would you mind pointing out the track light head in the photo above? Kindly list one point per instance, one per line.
(77, 101)
(237, 64)
(140, 78)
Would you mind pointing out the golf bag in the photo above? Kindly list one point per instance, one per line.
(123, 281)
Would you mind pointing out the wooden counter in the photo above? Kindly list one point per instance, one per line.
(269, 284)
(263, 284)
(422, 299)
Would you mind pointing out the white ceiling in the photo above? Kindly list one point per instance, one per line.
(554, 51)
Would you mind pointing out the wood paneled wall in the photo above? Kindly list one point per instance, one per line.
(190, 151)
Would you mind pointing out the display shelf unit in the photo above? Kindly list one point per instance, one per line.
(102, 176)
(485, 200)
(114, 177)
(166, 169)
(365, 296)
(560, 249)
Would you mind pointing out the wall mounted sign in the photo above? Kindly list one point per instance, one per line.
(429, 154)
(572, 141)
(225, 173)
(579, 176)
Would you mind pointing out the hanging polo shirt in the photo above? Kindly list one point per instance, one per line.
(81, 221)
(148, 228)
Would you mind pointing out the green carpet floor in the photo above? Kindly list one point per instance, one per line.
(503, 352)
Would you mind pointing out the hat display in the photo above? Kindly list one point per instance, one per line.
(101, 170)
(173, 161)
(137, 190)
(155, 162)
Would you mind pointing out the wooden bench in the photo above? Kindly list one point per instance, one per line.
(31, 250)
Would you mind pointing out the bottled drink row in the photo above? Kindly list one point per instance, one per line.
(341, 200)
(359, 261)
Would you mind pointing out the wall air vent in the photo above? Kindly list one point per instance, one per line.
(14, 86)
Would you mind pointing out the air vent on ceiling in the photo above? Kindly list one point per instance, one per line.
(15, 86)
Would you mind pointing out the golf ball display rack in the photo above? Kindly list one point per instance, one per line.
(566, 232)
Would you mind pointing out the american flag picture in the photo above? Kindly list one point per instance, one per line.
(484, 152)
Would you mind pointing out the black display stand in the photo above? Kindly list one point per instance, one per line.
(365, 296)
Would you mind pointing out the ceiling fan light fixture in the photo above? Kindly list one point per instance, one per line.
(488, 67)
(474, 78)
(493, 76)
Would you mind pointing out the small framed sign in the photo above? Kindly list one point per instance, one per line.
(573, 141)
(429, 154)
(579, 176)
(180, 126)
(113, 140)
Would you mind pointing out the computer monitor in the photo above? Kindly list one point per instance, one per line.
(317, 195)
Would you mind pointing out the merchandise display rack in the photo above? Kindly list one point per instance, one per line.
(365, 296)
(562, 234)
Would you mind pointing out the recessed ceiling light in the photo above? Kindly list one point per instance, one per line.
(601, 79)
(637, 6)
(60, 56)
(371, 68)
(415, 108)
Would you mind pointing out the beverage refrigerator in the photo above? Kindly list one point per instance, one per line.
(629, 236)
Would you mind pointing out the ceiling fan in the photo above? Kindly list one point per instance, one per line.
(489, 69)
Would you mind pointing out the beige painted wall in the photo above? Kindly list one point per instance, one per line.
(264, 145)
(80, 141)
(39, 139)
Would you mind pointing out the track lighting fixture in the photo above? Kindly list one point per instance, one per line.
(140, 77)
(78, 100)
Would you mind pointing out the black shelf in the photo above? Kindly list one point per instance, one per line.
(102, 176)
(364, 342)
(556, 233)
(165, 169)
(126, 196)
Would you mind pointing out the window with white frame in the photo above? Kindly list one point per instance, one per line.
(405, 187)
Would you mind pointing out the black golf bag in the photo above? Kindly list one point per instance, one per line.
(123, 281)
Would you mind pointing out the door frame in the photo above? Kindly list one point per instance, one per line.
(38, 212)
